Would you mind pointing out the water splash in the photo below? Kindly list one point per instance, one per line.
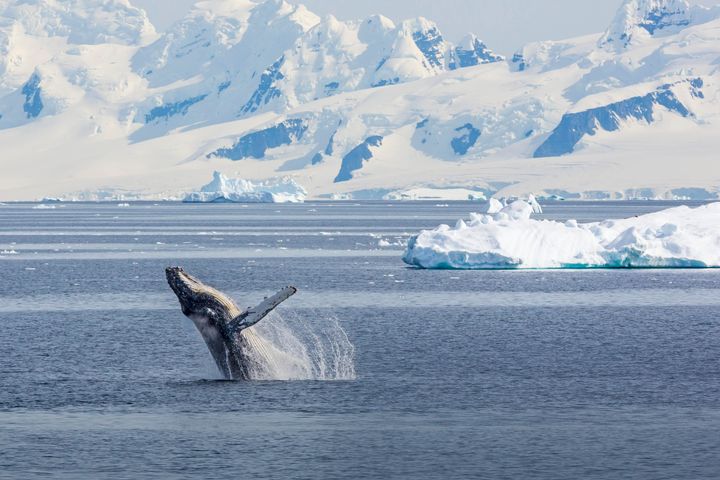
(289, 346)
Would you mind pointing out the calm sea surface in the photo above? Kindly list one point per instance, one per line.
(443, 374)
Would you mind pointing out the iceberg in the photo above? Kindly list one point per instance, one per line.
(237, 190)
(495, 205)
(680, 237)
(436, 193)
(492, 206)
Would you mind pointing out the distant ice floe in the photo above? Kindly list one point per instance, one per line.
(495, 205)
(429, 193)
(679, 237)
(390, 243)
(237, 190)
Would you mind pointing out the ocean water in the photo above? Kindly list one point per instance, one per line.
(409, 374)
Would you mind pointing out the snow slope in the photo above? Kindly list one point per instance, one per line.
(678, 237)
(94, 104)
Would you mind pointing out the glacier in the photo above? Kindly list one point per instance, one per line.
(237, 190)
(364, 108)
(511, 239)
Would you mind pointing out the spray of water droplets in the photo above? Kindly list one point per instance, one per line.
(297, 347)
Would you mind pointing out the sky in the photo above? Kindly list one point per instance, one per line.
(505, 25)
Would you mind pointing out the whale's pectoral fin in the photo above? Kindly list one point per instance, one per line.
(253, 315)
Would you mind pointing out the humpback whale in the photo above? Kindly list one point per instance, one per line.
(237, 350)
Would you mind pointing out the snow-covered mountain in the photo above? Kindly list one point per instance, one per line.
(95, 104)
(639, 19)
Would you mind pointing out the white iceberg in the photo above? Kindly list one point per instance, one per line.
(492, 206)
(238, 190)
(431, 193)
(536, 208)
(679, 237)
(496, 206)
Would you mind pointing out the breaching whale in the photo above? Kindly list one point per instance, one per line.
(237, 350)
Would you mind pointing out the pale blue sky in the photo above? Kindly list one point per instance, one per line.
(505, 25)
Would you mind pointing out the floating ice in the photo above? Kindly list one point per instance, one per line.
(224, 189)
(431, 193)
(678, 237)
(532, 201)
(492, 206)
(390, 243)
(477, 197)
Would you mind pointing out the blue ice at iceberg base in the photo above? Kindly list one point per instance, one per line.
(680, 237)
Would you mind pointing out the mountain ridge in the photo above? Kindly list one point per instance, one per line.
(258, 90)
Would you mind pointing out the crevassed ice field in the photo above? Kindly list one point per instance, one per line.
(405, 373)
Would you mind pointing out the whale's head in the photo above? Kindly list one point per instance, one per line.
(196, 298)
